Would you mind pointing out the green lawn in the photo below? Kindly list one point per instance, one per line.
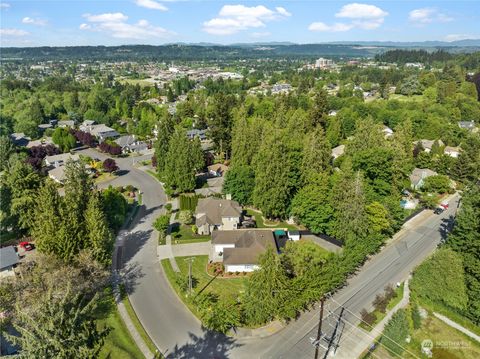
(448, 343)
(183, 233)
(220, 286)
(263, 223)
(414, 98)
(118, 344)
(379, 315)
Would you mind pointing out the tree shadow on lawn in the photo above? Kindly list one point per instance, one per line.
(210, 345)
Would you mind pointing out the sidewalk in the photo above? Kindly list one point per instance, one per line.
(168, 238)
(129, 324)
(360, 340)
(457, 326)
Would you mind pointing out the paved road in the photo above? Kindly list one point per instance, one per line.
(179, 334)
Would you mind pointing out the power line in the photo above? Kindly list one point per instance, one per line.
(379, 333)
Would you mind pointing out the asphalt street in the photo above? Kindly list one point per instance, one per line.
(178, 334)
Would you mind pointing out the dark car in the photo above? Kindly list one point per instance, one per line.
(438, 210)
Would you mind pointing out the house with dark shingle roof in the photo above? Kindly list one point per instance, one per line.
(8, 261)
(217, 214)
(239, 250)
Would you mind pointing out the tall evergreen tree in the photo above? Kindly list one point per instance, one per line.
(47, 219)
(165, 129)
(180, 166)
(60, 328)
(319, 110)
(220, 123)
(273, 180)
(316, 155)
(99, 236)
(349, 205)
(267, 289)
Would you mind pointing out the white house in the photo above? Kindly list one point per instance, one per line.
(387, 131)
(452, 151)
(239, 250)
(215, 213)
(294, 235)
(418, 176)
(338, 151)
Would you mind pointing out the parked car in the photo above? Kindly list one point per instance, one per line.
(438, 210)
(444, 205)
(27, 246)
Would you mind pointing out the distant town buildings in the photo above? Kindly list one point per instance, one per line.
(322, 63)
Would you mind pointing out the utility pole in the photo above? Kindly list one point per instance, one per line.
(190, 282)
(319, 333)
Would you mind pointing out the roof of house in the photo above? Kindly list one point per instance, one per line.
(249, 244)
(212, 210)
(429, 143)
(8, 257)
(70, 123)
(103, 130)
(19, 139)
(208, 191)
(216, 182)
(420, 173)
(338, 151)
(124, 141)
(57, 174)
(450, 149)
(466, 124)
(63, 157)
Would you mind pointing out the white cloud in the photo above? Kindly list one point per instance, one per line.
(116, 26)
(427, 15)
(457, 37)
(361, 11)
(235, 18)
(151, 4)
(362, 16)
(32, 21)
(13, 32)
(107, 17)
(4, 5)
(337, 27)
(282, 11)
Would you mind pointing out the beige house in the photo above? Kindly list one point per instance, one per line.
(240, 250)
(215, 213)
(418, 176)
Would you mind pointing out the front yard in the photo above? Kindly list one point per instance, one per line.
(223, 287)
(182, 234)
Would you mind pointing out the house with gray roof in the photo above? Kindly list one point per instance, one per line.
(129, 144)
(239, 250)
(8, 261)
(468, 125)
(19, 139)
(217, 214)
(66, 123)
(418, 176)
(61, 159)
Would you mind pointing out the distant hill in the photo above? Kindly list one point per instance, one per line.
(213, 52)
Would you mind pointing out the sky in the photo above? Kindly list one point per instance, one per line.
(120, 22)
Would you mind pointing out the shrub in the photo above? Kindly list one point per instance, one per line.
(395, 333)
(380, 302)
(416, 318)
(188, 202)
(185, 217)
(161, 224)
(389, 293)
(109, 165)
(168, 207)
(368, 317)
(194, 229)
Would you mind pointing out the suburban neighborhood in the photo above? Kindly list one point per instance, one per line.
(232, 194)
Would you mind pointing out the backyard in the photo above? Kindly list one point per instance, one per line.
(264, 223)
